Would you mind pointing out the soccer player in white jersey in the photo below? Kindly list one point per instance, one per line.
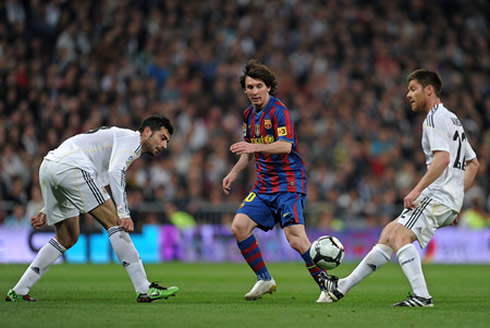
(72, 179)
(433, 203)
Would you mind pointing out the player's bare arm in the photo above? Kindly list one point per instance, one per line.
(438, 165)
(470, 173)
(278, 147)
(237, 168)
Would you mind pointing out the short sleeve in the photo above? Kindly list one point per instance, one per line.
(469, 152)
(284, 127)
(438, 139)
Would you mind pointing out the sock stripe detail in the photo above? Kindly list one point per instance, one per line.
(258, 266)
(314, 270)
(254, 257)
(114, 230)
(53, 242)
(250, 249)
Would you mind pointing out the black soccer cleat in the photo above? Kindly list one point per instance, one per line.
(415, 301)
(331, 286)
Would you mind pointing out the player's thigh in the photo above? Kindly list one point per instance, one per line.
(242, 226)
(255, 208)
(81, 188)
(106, 214)
(396, 235)
(57, 204)
(426, 218)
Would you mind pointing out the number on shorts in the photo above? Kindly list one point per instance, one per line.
(250, 197)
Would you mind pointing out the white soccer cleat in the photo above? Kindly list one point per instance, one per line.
(260, 288)
(324, 297)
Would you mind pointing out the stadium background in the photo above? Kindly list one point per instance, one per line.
(69, 66)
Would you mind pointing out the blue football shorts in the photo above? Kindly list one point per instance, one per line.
(285, 208)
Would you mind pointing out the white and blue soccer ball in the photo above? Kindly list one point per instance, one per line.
(327, 252)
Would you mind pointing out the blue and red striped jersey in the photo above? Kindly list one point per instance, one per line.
(275, 173)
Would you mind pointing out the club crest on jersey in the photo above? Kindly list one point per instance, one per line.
(257, 130)
(244, 128)
(267, 124)
(282, 131)
(269, 139)
(130, 160)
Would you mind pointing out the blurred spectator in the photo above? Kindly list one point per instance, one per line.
(329, 223)
(474, 217)
(69, 66)
(179, 218)
(35, 202)
(18, 217)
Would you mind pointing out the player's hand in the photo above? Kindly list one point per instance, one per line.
(39, 220)
(227, 182)
(409, 200)
(242, 147)
(456, 221)
(127, 224)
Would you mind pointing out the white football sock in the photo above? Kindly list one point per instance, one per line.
(411, 265)
(129, 258)
(377, 257)
(47, 255)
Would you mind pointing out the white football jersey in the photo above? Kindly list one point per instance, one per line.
(107, 153)
(442, 130)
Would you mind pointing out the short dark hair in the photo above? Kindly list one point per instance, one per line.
(155, 123)
(257, 70)
(427, 77)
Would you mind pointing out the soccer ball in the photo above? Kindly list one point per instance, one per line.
(327, 252)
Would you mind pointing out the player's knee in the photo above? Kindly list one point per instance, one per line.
(238, 230)
(388, 234)
(298, 244)
(67, 241)
(397, 237)
(295, 243)
(401, 240)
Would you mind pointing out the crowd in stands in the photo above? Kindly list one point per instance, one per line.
(70, 66)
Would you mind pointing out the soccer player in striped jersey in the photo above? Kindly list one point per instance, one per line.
(72, 179)
(432, 204)
(279, 193)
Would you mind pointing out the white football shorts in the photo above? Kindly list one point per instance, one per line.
(426, 218)
(68, 191)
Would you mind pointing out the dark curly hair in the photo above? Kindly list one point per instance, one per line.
(257, 70)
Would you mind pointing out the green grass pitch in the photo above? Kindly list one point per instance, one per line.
(211, 295)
